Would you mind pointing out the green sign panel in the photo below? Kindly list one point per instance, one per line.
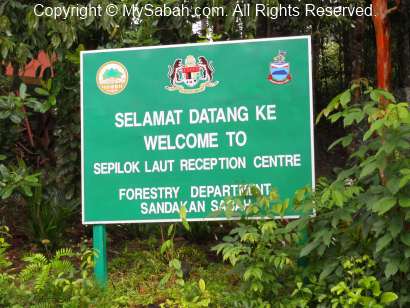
(194, 126)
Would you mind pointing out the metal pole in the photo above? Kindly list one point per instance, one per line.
(100, 245)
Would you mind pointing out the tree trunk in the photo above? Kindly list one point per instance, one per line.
(261, 27)
(316, 44)
(347, 57)
(381, 23)
(382, 27)
(403, 45)
(357, 48)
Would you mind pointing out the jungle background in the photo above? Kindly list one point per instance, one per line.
(357, 251)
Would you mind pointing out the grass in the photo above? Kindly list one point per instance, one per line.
(136, 271)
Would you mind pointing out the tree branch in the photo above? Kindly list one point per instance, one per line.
(28, 128)
(394, 9)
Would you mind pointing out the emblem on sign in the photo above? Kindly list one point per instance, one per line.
(279, 71)
(112, 78)
(191, 76)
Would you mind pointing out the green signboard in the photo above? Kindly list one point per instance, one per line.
(193, 126)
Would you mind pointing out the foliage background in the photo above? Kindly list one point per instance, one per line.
(47, 136)
(40, 135)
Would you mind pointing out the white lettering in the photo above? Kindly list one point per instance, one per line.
(181, 141)
(275, 161)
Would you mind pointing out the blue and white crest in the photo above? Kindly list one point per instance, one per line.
(279, 70)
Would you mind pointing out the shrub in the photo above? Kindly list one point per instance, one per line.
(262, 254)
(366, 209)
(358, 288)
(48, 216)
(48, 282)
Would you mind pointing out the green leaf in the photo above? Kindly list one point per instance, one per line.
(353, 115)
(33, 178)
(395, 226)
(384, 205)
(170, 229)
(337, 197)
(407, 253)
(49, 84)
(404, 202)
(325, 195)
(404, 180)
(376, 94)
(202, 285)
(52, 100)
(377, 125)
(26, 190)
(7, 192)
(294, 224)
(4, 115)
(4, 172)
(308, 248)
(345, 97)
(368, 169)
(383, 242)
(393, 185)
(344, 140)
(405, 171)
(391, 269)
(403, 113)
(41, 91)
(268, 227)
(175, 263)
(55, 40)
(23, 90)
(388, 297)
(367, 135)
(334, 103)
(299, 195)
(168, 244)
(15, 119)
(255, 272)
(334, 117)
(185, 224)
(405, 238)
(165, 279)
(328, 269)
(182, 212)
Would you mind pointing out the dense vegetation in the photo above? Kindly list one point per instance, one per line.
(357, 253)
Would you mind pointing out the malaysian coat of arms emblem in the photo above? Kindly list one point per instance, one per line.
(192, 76)
(279, 70)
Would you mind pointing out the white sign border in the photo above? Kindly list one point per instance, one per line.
(312, 137)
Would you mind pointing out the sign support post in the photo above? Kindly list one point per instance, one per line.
(100, 245)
